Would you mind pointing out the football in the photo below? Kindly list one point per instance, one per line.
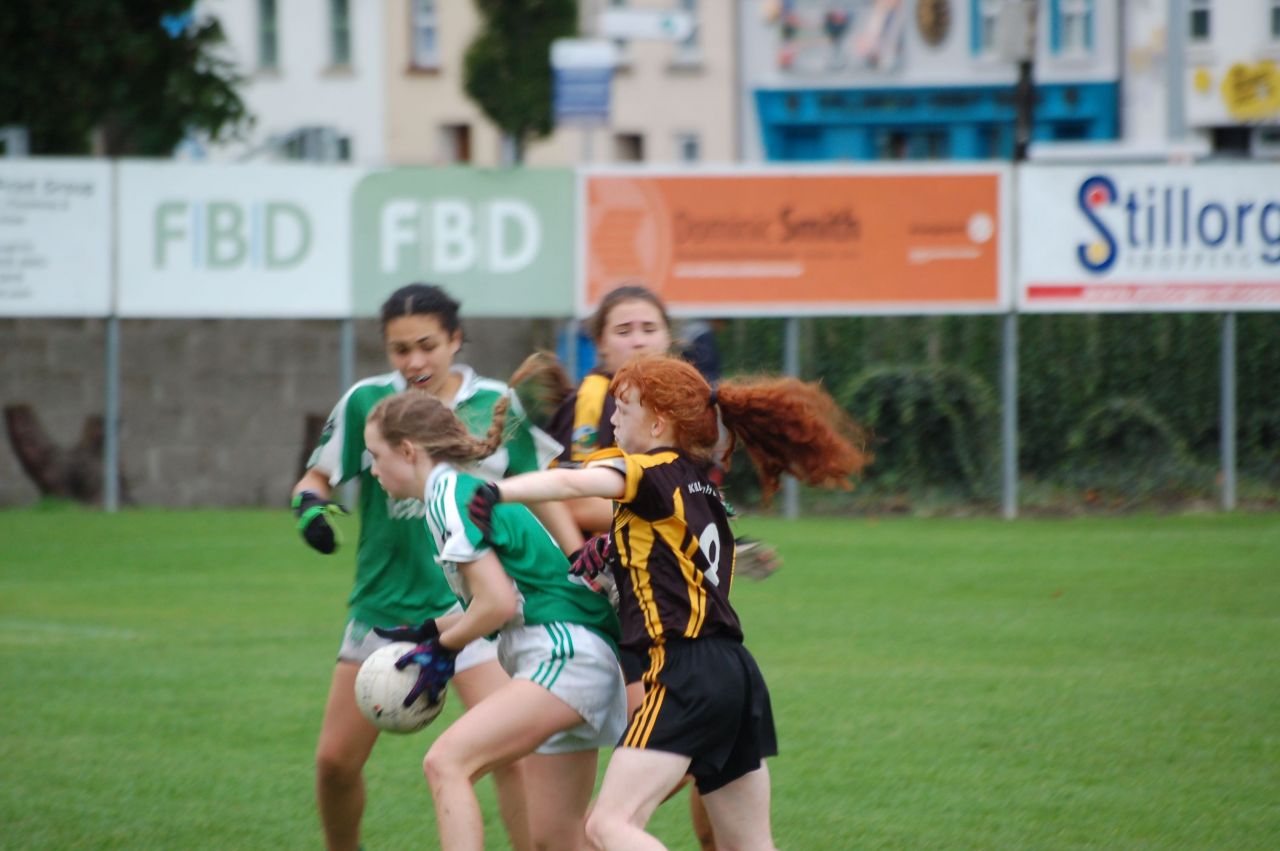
(380, 692)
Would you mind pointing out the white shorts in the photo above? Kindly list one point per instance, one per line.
(580, 668)
(359, 641)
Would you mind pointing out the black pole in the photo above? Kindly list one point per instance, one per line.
(1024, 99)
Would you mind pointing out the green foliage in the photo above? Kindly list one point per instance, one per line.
(507, 69)
(1068, 365)
(1123, 449)
(930, 425)
(70, 68)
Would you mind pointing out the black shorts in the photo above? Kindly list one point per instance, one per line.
(633, 665)
(705, 699)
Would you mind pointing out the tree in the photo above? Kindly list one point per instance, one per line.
(507, 69)
(143, 74)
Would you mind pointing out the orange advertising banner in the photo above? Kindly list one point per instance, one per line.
(750, 243)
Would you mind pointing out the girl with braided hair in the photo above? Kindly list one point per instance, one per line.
(706, 709)
(556, 638)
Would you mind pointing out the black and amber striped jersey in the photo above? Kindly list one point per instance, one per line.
(583, 422)
(675, 550)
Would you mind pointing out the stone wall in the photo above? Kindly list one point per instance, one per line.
(213, 412)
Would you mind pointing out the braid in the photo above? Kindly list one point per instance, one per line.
(424, 420)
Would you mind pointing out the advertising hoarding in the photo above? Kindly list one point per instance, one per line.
(55, 238)
(500, 241)
(870, 240)
(236, 241)
(1149, 238)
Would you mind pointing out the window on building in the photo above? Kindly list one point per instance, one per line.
(339, 32)
(1200, 27)
(985, 25)
(268, 35)
(624, 55)
(689, 50)
(628, 148)
(1275, 19)
(1074, 26)
(424, 25)
(455, 143)
(688, 147)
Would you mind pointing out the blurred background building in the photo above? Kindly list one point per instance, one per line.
(777, 80)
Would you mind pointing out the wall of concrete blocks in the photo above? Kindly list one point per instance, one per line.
(213, 412)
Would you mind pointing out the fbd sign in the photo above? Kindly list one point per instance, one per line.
(210, 234)
(499, 241)
(235, 241)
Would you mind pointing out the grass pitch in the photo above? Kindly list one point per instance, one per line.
(953, 684)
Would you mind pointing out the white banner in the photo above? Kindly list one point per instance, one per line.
(248, 241)
(1149, 238)
(55, 237)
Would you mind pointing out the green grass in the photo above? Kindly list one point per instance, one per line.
(1089, 683)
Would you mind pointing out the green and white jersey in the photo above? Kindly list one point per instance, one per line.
(397, 580)
(545, 592)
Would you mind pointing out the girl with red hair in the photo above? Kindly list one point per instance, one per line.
(706, 710)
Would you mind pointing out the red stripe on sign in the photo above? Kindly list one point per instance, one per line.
(1054, 292)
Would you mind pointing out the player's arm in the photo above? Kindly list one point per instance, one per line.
(493, 603)
(316, 481)
(562, 484)
(560, 522)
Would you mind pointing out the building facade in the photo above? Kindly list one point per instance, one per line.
(926, 79)
(383, 83)
(314, 78)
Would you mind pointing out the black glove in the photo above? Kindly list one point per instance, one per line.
(437, 669)
(312, 511)
(480, 509)
(592, 558)
(419, 634)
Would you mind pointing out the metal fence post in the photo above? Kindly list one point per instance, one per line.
(791, 367)
(1228, 413)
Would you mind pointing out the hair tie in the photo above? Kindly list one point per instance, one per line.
(711, 402)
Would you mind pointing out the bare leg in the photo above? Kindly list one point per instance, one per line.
(474, 685)
(635, 782)
(346, 740)
(488, 735)
(701, 821)
(559, 790)
(740, 813)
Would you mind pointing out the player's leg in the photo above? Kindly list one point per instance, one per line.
(346, 739)
(635, 782)
(472, 686)
(739, 813)
(502, 727)
(559, 791)
(702, 829)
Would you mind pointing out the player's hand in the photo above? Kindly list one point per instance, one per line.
(313, 512)
(593, 557)
(480, 509)
(437, 669)
(418, 634)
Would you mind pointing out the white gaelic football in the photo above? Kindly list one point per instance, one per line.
(380, 692)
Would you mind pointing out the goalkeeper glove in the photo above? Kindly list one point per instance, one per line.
(480, 509)
(313, 511)
(436, 661)
(592, 558)
(419, 634)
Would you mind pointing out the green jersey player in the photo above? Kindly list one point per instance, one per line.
(396, 577)
(556, 637)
